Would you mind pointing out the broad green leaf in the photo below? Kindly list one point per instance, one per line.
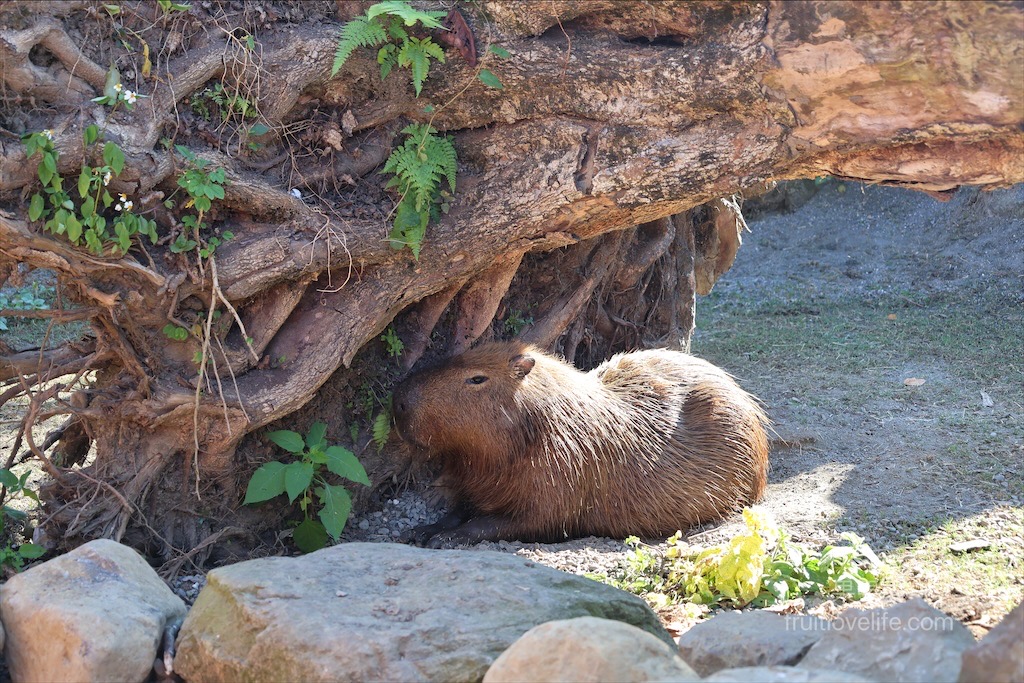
(124, 238)
(499, 51)
(31, 551)
(8, 479)
(74, 227)
(35, 207)
(259, 129)
(84, 180)
(288, 440)
(110, 86)
(45, 174)
(266, 483)
(488, 78)
(310, 536)
(113, 157)
(344, 463)
(297, 478)
(337, 504)
(15, 514)
(317, 435)
(90, 134)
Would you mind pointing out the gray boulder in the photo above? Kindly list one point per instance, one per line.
(999, 657)
(95, 614)
(589, 650)
(911, 642)
(782, 674)
(746, 639)
(377, 611)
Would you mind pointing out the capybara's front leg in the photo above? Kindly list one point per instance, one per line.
(482, 528)
(422, 534)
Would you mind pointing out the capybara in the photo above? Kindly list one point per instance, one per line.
(532, 449)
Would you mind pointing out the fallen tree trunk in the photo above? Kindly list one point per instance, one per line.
(597, 182)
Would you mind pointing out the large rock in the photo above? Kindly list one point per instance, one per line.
(911, 642)
(589, 650)
(746, 639)
(377, 611)
(999, 657)
(95, 614)
(782, 674)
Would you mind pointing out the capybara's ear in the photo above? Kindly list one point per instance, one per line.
(522, 364)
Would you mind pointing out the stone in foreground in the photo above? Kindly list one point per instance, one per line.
(999, 657)
(589, 650)
(782, 674)
(377, 611)
(749, 639)
(911, 642)
(95, 614)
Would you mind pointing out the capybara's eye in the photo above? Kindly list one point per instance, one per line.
(477, 379)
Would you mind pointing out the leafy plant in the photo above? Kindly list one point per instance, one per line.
(757, 566)
(202, 187)
(224, 102)
(29, 298)
(516, 321)
(13, 485)
(392, 342)
(89, 217)
(386, 23)
(419, 166)
(169, 7)
(303, 478)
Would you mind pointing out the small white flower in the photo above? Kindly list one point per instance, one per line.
(129, 96)
(128, 205)
(48, 134)
(125, 204)
(118, 87)
(106, 178)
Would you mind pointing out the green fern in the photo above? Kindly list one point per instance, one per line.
(416, 54)
(406, 12)
(419, 165)
(401, 49)
(360, 32)
(382, 429)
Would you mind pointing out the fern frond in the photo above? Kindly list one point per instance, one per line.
(415, 54)
(360, 32)
(406, 12)
(381, 429)
(442, 151)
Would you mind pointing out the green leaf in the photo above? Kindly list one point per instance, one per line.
(35, 207)
(74, 227)
(45, 174)
(110, 86)
(9, 480)
(124, 238)
(84, 181)
(382, 423)
(266, 483)
(337, 504)
(499, 51)
(360, 32)
(88, 207)
(113, 157)
(488, 78)
(297, 478)
(317, 435)
(259, 129)
(90, 134)
(31, 551)
(310, 536)
(288, 440)
(416, 54)
(407, 13)
(344, 463)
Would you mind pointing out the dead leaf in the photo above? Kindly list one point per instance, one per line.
(967, 546)
(348, 122)
(332, 137)
(914, 381)
(986, 400)
(891, 316)
(146, 64)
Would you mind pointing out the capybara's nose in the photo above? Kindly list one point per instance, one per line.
(401, 401)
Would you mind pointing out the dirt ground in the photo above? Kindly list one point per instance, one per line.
(884, 331)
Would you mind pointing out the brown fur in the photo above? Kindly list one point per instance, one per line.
(647, 443)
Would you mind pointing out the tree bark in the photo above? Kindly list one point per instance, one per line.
(608, 165)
